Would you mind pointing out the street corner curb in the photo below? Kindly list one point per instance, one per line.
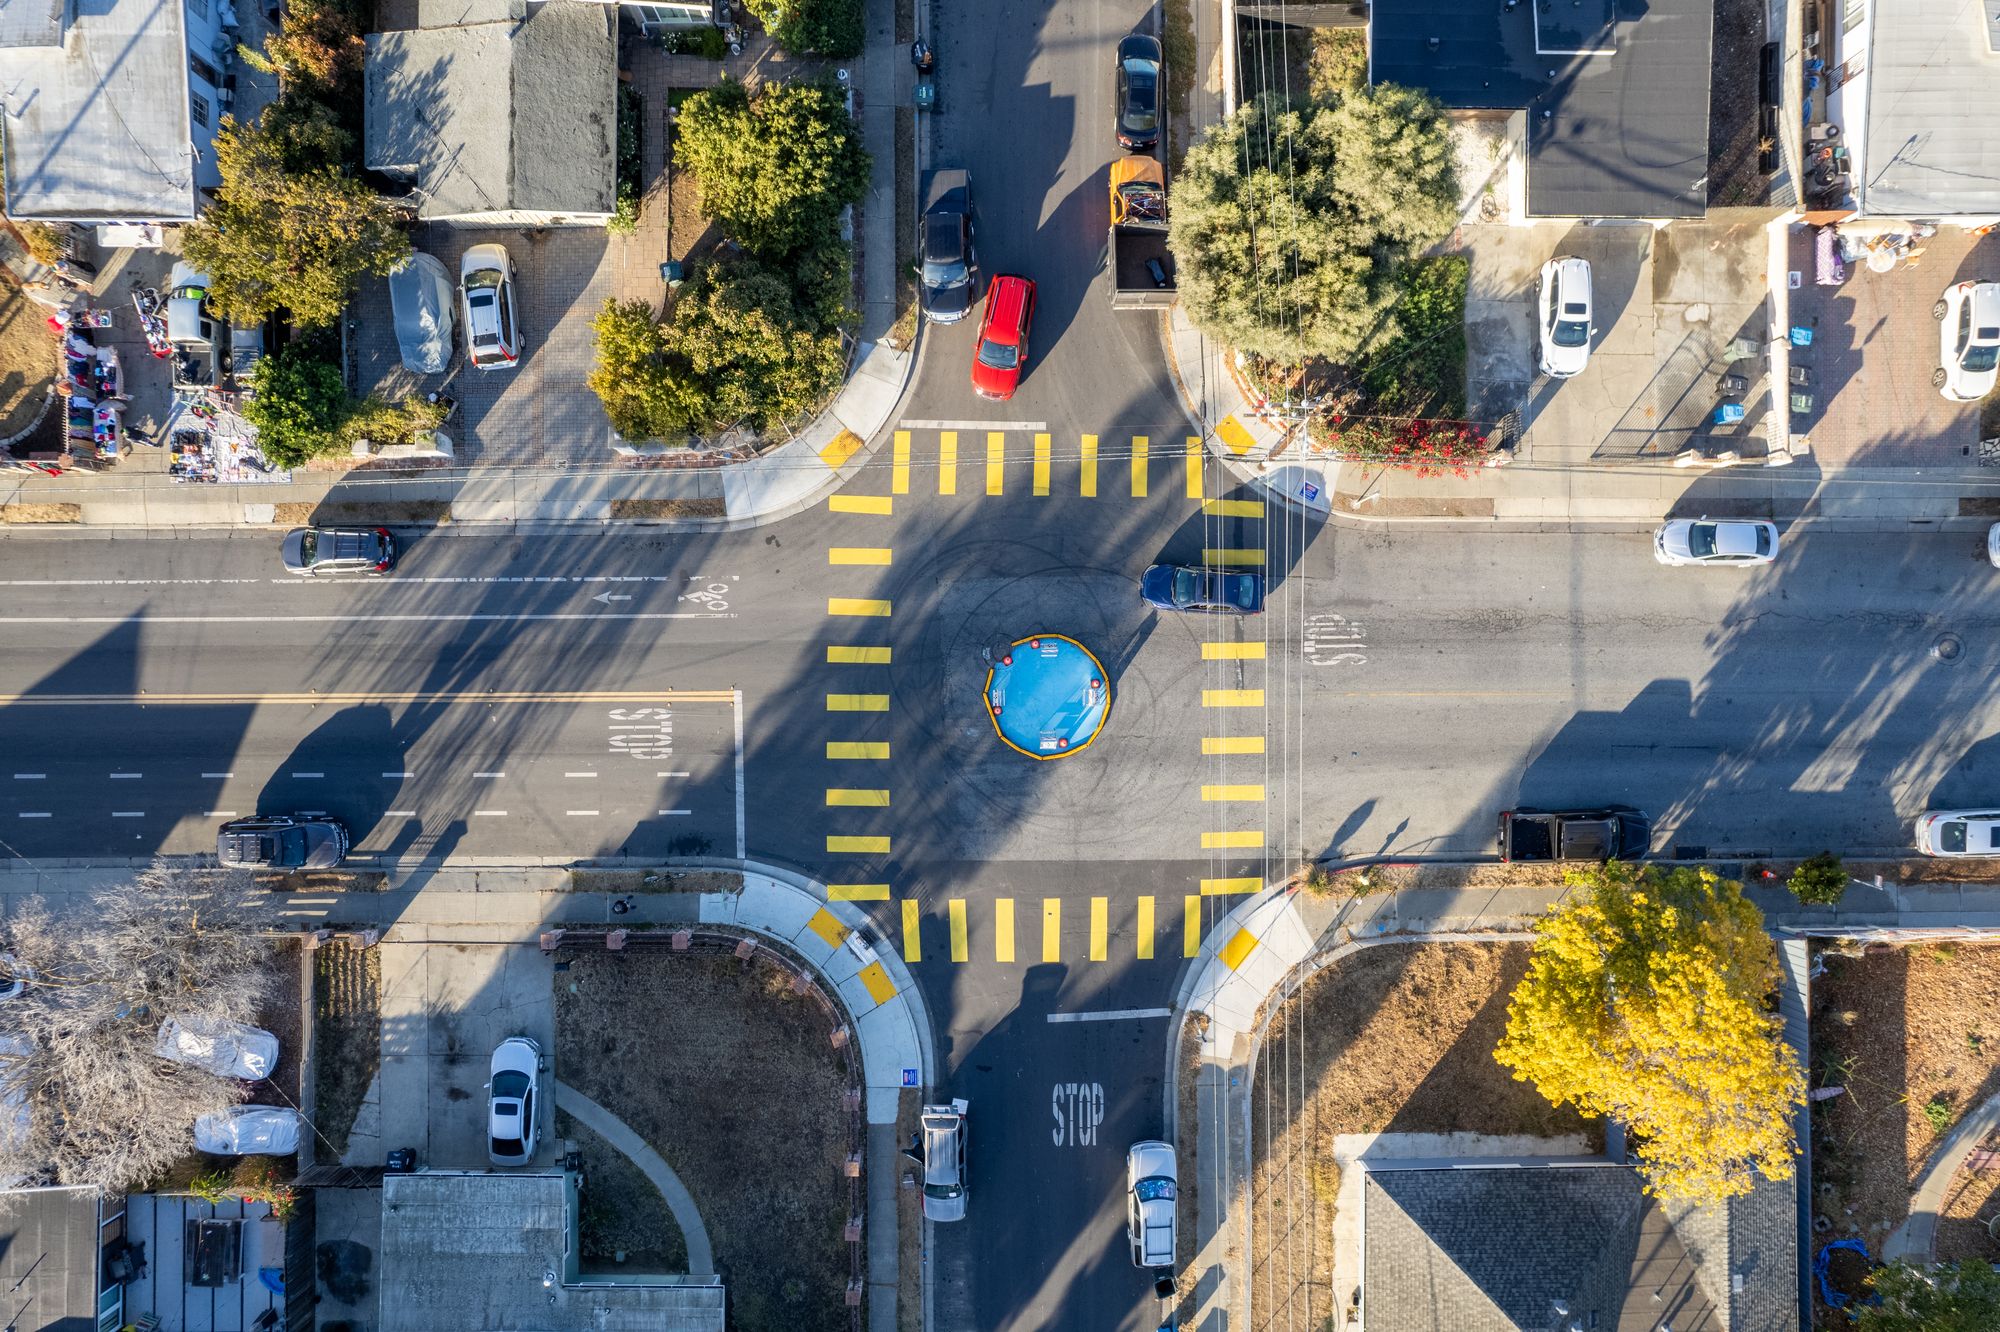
(1243, 958)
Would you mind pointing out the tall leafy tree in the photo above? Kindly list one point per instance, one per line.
(1646, 1000)
(1961, 1298)
(299, 405)
(1289, 225)
(761, 357)
(775, 169)
(646, 395)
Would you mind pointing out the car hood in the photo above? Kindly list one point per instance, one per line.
(948, 302)
(1157, 583)
(325, 846)
(293, 551)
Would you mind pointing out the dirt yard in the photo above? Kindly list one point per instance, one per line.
(27, 359)
(347, 1038)
(282, 1014)
(732, 1078)
(1913, 1034)
(623, 1214)
(1394, 1039)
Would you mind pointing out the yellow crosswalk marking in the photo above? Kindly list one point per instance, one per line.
(877, 556)
(857, 749)
(828, 927)
(899, 464)
(879, 505)
(857, 892)
(855, 797)
(913, 939)
(1041, 464)
(840, 448)
(1232, 744)
(1215, 794)
(856, 606)
(955, 909)
(857, 846)
(1232, 652)
(1210, 841)
(880, 988)
(1090, 467)
(1139, 446)
(1190, 927)
(1238, 948)
(1100, 928)
(1236, 508)
(948, 463)
(1003, 929)
(1145, 928)
(1226, 887)
(1226, 557)
(1235, 435)
(1194, 467)
(996, 453)
(857, 702)
(1051, 929)
(1232, 698)
(857, 656)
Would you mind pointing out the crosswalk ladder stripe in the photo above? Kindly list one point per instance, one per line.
(1232, 744)
(1249, 839)
(948, 463)
(874, 556)
(1003, 929)
(857, 892)
(1041, 464)
(955, 911)
(1226, 887)
(856, 606)
(1233, 508)
(857, 656)
(857, 846)
(1228, 557)
(996, 453)
(854, 797)
(899, 467)
(1232, 698)
(913, 940)
(1190, 926)
(857, 702)
(1051, 929)
(1089, 480)
(881, 506)
(1194, 467)
(857, 749)
(1139, 446)
(1145, 929)
(1100, 928)
(1232, 651)
(1215, 794)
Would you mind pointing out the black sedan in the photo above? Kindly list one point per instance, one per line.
(1181, 587)
(1138, 106)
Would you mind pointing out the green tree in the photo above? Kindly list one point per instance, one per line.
(287, 234)
(1961, 1298)
(1821, 880)
(644, 393)
(812, 27)
(775, 169)
(1645, 1001)
(1290, 227)
(299, 406)
(759, 357)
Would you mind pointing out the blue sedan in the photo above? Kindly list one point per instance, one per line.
(1180, 587)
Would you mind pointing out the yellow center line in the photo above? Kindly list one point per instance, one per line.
(1233, 508)
(857, 749)
(899, 464)
(1232, 744)
(996, 453)
(1226, 556)
(1210, 841)
(1041, 464)
(1232, 698)
(913, 939)
(1100, 928)
(1232, 651)
(948, 463)
(1051, 929)
(857, 656)
(1139, 445)
(1190, 926)
(1194, 467)
(856, 606)
(868, 555)
(857, 892)
(857, 846)
(1090, 467)
(857, 702)
(857, 797)
(1225, 794)
(1145, 927)
(1003, 929)
(881, 506)
(956, 910)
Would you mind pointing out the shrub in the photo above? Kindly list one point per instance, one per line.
(299, 405)
(1424, 446)
(775, 169)
(1821, 880)
(812, 27)
(1421, 370)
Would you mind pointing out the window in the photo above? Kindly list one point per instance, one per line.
(198, 108)
(204, 71)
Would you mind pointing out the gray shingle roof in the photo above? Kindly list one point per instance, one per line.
(48, 1257)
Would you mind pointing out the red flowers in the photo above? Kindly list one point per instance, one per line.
(1427, 447)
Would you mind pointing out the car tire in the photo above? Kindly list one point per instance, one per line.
(1938, 377)
(1939, 311)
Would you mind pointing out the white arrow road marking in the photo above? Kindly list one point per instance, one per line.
(608, 597)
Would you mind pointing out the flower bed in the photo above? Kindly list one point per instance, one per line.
(1426, 446)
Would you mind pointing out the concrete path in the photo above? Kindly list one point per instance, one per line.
(1916, 1238)
(701, 1259)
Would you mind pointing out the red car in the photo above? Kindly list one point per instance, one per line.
(1003, 337)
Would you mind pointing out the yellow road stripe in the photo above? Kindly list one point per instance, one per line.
(1041, 464)
(857, 656)
(1145, 929)
(913, 938)
(856, 606)
(1226, 887)
(1226, 557)
(1232, 652)
(867, 555)
(1194, 467)
(828, 927)
(899, 464)
(879, 505)
(1100, 928)
(1051, 929)
(1090, 467)
(840, 448)
(996, 452)
(1217, 794)
(948, 463)
(857, 749)
(857, 702)
(1190, 927)
(413, 696)
(956, 909)
(1232, 698)
(857, 846)
(856, 797)
(857, 892)
(1239, 948)
(880, 988)
(1210, 841)
(1233, 433)
(1003, 929)
(1139, 444)
(1221, 508)
(1232, 744)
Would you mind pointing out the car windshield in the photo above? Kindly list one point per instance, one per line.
(949, 273)
(309, 546)
(1155, 1190)
(1571, 332)
(943, 1190)
(509, 1084)
(1187, 588)
(1246, 592)
(999, 355)
(1701, 540)
(486, 278)
(506, 1146)
(1951, 836)
(1979, 359)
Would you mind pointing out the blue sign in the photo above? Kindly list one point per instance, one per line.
(909, 1077)
(1308, 491)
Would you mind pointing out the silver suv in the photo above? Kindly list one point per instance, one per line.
(312, 551)
(281, 841)
(942, 1139)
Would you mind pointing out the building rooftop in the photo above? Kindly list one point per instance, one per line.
(1931, 74)
(48, 1258)
(1616, 91)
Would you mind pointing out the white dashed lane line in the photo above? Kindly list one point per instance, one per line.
(399, 774)
(222, 813)
(34, 814)
(216, 776)
(30, 776)
(579, 774)
(306, 776)
(676, 811)
(126, 776)
(489, 774)
(489, 813)
(128, 813)
(581, 813)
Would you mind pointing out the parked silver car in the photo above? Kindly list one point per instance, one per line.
(486, 290)
(941, 1132)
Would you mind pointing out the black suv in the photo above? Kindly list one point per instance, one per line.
(336, 550)
(281, 841)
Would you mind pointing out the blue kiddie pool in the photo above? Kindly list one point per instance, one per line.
(1048, 697)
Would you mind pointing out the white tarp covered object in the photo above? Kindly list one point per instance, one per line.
(421, 296)
(229, 1050)
(249, 1130)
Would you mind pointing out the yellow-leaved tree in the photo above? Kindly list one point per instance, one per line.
(1648, 1001)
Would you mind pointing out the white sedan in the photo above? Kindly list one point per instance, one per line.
(1968, 316)
(1150, 1192)
(513, 1092)
(1959, 832)
(1716, 541)
(1564, 316)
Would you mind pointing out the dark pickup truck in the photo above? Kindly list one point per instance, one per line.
(1616, 832)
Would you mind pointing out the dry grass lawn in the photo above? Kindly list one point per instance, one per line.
(347, 1038)
(41, 513)
(27, 359)
(623, 1214)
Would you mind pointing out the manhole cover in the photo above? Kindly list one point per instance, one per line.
(1947, 647)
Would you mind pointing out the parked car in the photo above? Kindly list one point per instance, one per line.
(1716, 541)
(1184, 587)
(1968, 316)
(1003, 337)
(1959, 832)
(249, 1130)
(950, 265)
(420, 306)
(281, 841)
(226, 1049)
(486, 289)
(1615, 832)
(1993, 545)
(1138, 106)
(1565, 316)
(313, 551)
(941, 1134)
(1150, 1182)
(514, 1080)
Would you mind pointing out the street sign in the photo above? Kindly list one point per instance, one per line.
(909, 1077)
(1308, 491)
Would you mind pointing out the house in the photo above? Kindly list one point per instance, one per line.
(1906, 83)
(1610, 99)
(481, 1249)
(498, 119)
(111, 107)
(667, 15)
